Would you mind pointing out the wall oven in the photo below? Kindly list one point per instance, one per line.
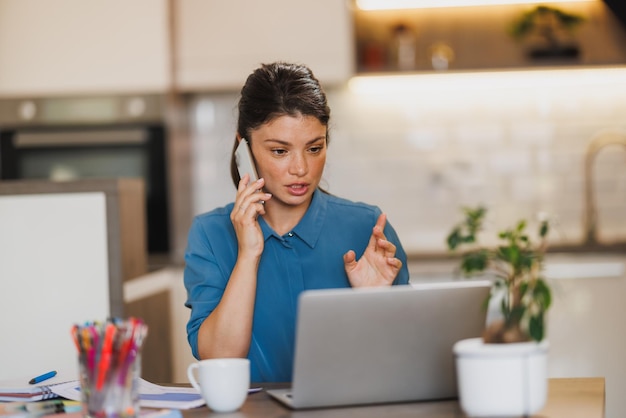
(91, 137)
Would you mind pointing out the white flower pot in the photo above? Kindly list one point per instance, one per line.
(501, 379)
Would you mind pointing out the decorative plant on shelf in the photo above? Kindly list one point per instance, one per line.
(549, 30)
(517, 264)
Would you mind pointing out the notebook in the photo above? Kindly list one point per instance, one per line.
(19, 389)
(381, 345)
(150, 395)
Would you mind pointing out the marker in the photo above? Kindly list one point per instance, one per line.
(43, 377)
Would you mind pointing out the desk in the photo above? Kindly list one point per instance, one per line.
(567, 398)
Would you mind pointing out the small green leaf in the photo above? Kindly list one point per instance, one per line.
(536, 327)
(468, 239)
(454, 239)
(523, 288)
(474, 262)
(526, 260)
(510, 255)
(516, 314)
(542, 294)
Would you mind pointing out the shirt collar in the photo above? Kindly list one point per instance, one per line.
(309, 227)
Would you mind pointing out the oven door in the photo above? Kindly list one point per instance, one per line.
(67, 153)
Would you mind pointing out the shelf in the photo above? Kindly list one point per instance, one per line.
(478, 38)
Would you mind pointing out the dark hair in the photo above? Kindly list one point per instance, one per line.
(274, 90)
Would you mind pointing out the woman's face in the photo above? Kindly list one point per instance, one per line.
(290, 153)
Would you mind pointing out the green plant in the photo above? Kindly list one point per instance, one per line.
(546, 22)
(517, 265)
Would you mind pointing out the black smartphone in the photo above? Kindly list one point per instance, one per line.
(244, 161)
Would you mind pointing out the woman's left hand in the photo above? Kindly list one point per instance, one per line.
(378, 266)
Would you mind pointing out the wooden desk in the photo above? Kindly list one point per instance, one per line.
(567, 398)
(575, 398)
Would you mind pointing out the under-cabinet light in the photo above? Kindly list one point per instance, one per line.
(425, 4)
(477, 82)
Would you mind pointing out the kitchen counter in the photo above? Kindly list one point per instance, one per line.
(557, 266)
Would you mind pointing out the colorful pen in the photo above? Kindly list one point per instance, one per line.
(41, 378)
(105, 355)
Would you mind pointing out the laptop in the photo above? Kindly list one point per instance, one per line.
(381, 345)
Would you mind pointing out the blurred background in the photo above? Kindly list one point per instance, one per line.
(432, 108)
(518, 106)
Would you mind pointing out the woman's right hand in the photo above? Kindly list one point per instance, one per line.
(227, 331)
(249, 204)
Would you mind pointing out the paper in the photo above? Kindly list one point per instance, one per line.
(155, 396)
(19, 389)
(150, 395)
(144, 413)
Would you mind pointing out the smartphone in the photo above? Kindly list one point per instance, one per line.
(244, 161)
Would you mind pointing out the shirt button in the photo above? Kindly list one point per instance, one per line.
(290, 234)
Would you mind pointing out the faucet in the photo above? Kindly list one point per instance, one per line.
(598, 142)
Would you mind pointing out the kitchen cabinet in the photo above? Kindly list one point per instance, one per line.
(478, 38)
(78, 47)
(219, 42)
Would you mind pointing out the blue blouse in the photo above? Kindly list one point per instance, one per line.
(308, 257)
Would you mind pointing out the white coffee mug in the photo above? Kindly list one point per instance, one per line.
(223, 382)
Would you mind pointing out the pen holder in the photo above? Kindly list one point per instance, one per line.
(109, 359)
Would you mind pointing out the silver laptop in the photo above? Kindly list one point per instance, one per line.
(365, 346)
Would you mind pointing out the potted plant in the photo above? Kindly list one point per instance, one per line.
(504, 372)
(549, 31)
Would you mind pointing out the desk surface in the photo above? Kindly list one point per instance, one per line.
(567, 398)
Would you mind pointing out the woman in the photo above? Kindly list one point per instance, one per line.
(247, 262)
